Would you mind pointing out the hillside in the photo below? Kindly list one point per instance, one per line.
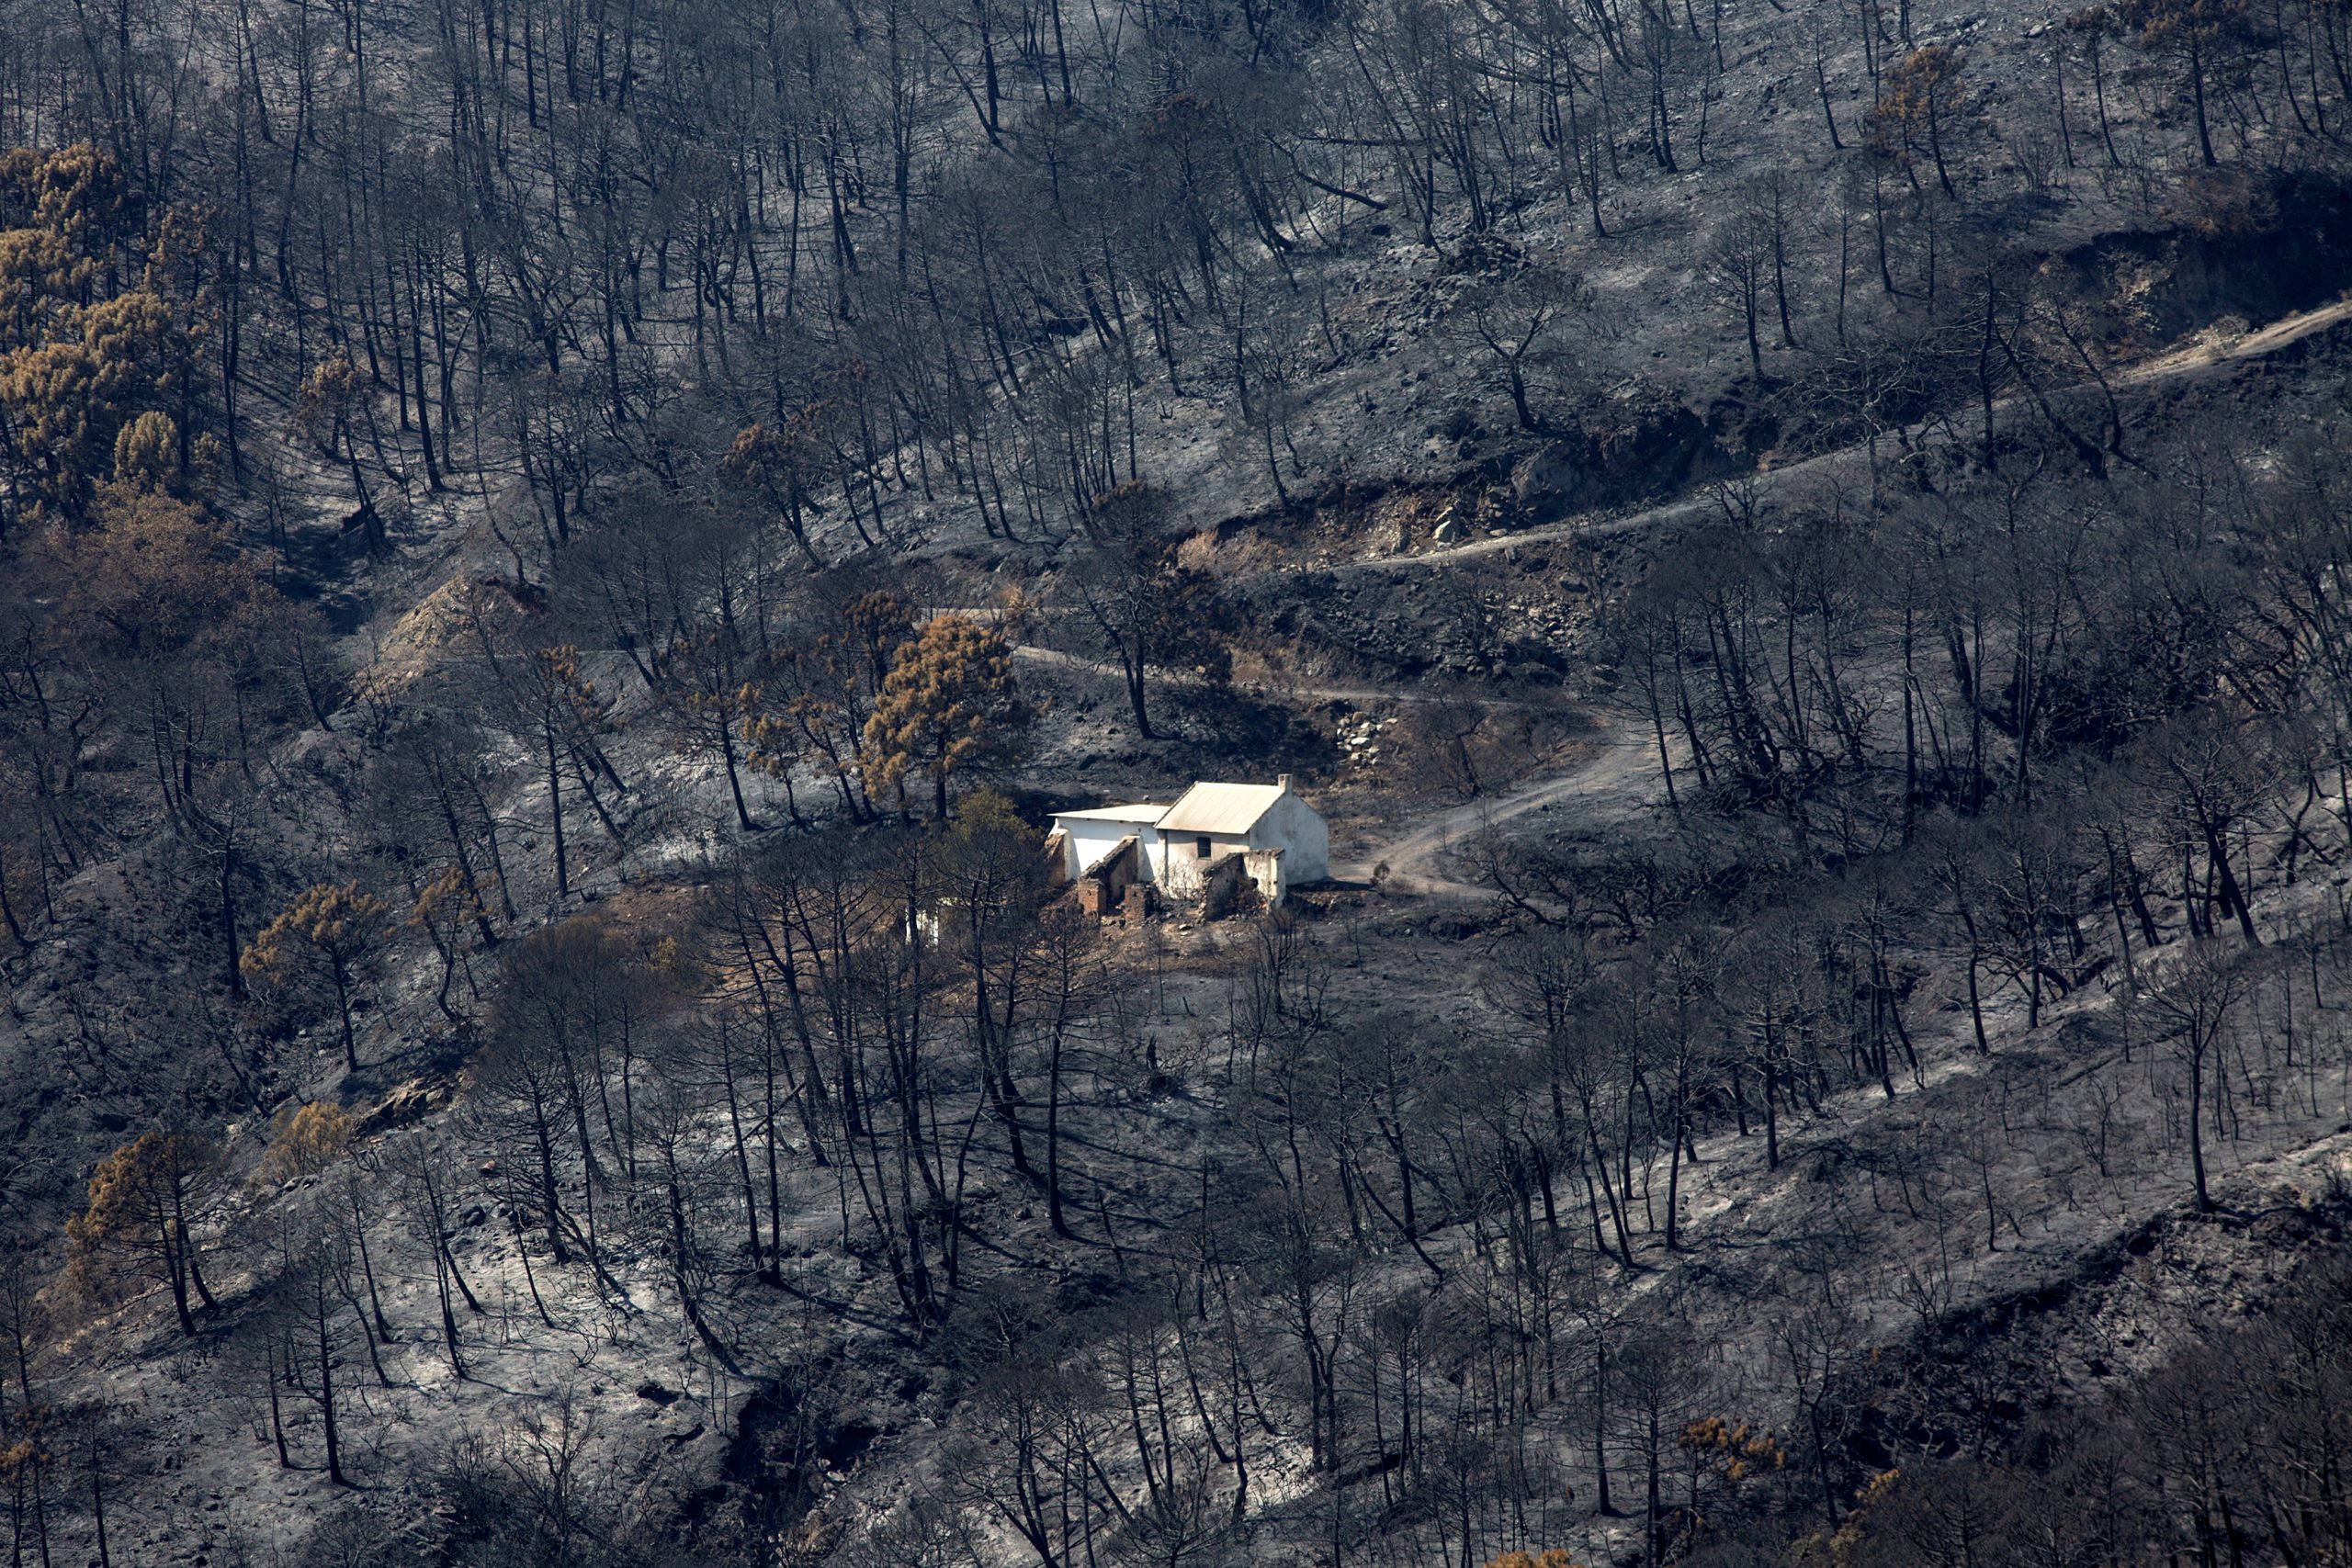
(557, 559)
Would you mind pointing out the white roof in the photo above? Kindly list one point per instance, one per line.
(1144, 812)
(1220, 807)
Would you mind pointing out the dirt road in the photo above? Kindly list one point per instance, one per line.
(1606, 772)
(2187, 360)
(1614, 773)
(1611, 775)
(1606, 776)
(1312, 690)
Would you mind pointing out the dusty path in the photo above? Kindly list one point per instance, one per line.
(1318, 691)
(1608, 775)
(2187, 360)
(2197, 356)
(1612, 774)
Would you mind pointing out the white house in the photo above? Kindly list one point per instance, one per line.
(1089, 838)
(1280, 841)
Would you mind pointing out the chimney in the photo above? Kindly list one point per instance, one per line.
(1282, 780)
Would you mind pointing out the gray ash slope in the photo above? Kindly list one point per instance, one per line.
(1819, 688)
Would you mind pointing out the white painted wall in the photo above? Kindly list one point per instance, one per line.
(1182, 866)
(1289, 824)
(1265, 868)
(1174, 861)
(1297, 829)
(1086, 840)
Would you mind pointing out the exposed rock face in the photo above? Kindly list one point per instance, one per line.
(1636, 445)
(410, 1101)
(1547, 483)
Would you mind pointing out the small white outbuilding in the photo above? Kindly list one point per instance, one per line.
(1281, 841)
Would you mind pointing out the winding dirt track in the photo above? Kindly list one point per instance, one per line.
(1319, 692)
(2182, 362)
(1603, 769)
(1611, 775)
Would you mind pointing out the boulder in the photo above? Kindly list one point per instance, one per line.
(410, 1101)
(1655, 445)
(1548, 483)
